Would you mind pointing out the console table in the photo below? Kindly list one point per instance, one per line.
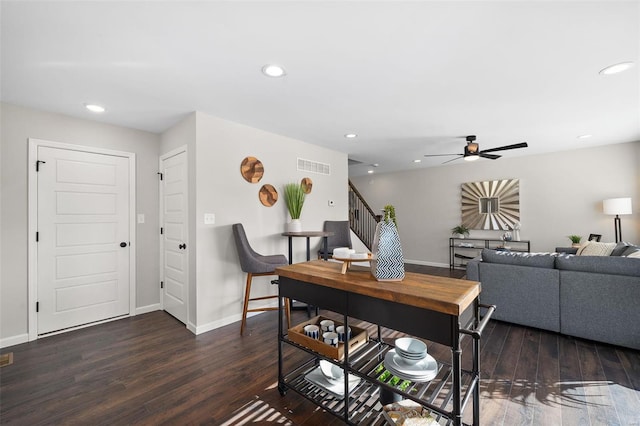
(438, 309)
(462, 250)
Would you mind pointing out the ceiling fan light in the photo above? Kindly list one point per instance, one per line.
(471, 157)
(472, 147)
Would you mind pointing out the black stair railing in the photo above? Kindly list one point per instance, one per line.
(362, 219)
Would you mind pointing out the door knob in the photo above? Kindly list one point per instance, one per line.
(123, 244)
(182, 246)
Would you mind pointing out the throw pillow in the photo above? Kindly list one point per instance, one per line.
(620, 248)
(635, 254)
(593, 248)
(631, 249)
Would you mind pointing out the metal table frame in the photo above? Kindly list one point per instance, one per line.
(432, 325)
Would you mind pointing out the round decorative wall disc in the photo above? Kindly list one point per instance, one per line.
(251, 169)
(268, 195)
(307, 184)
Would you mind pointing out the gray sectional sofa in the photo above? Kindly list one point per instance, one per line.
(593, 297)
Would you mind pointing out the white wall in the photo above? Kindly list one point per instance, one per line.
(19, 124)
(560, 194)
(220, 189)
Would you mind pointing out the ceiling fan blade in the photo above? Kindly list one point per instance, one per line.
(453, 159)
(439, 155)
(503, 148)
(489, 156)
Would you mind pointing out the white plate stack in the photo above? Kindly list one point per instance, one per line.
(410, 361)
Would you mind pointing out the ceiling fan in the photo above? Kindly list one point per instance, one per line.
(472, 151)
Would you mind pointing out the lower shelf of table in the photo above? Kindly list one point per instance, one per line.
(364, 407)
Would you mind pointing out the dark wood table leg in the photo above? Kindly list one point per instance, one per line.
(325, 248)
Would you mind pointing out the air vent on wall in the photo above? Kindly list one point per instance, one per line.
(313, 167)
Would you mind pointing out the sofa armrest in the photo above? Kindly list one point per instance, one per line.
(522, 294)
(473, 273)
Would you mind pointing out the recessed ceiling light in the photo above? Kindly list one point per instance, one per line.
(375, 164)
(351, 136)
(370, 171)
(584, 136)
(95, 108)
(271, 70)
(617, 68)
(417, 161)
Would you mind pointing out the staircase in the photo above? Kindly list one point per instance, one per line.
(362, 219)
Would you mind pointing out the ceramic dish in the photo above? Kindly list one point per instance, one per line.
(335, 388)
(422, 371)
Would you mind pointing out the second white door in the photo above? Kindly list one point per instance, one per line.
(175, 247)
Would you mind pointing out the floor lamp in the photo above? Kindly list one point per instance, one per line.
(617, 206)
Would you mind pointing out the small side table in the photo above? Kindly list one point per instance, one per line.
(308, 234)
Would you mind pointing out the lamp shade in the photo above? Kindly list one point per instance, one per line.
(617, 206)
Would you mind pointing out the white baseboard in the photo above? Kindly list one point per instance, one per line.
(191, 327)
(219, 323)
(14, 340)
(146, 309)
(422, 262)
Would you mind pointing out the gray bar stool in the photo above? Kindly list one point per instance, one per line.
(255, 264)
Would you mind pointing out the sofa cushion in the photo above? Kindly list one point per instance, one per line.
(594, 248)
(614, 265)
(537, 260)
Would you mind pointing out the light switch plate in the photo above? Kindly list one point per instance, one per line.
(141, 218)
(209, 218)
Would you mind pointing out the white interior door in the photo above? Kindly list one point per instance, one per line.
(175, 249)
(83, 238)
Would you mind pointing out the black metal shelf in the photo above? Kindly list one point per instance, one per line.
(364, 406)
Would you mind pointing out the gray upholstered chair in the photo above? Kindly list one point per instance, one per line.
(255, 264)
(341, 236)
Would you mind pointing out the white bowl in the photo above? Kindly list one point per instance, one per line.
(409, 361)
(411, 348)
(342, 252)
(331, 371)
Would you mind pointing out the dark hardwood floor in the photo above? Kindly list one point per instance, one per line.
(150, 369)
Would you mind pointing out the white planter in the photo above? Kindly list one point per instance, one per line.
(294, 226)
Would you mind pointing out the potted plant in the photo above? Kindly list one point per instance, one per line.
(389, 214)
(460, 230)
(575, 239)
(294, 199)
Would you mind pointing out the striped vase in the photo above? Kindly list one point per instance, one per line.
(387, 262)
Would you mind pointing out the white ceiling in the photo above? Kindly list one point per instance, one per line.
(410, 78)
